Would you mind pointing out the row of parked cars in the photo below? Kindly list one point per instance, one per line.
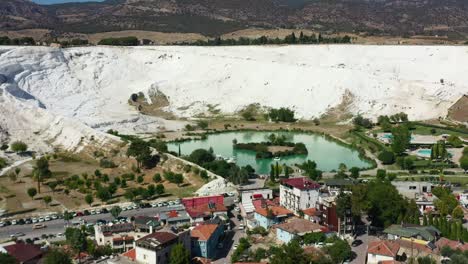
(41, 219)
(32, 220)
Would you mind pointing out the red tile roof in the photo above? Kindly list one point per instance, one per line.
(301, 183)
(203, 232)
(383, 248)
(311, 212)
(453, 244)
(275, 210)
(23, 252)
(131, 254)
(300, 226)
(197, 201)
(173, 214)
(204, 210)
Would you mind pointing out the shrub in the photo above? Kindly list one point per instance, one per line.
(106, 163)
(19, 146)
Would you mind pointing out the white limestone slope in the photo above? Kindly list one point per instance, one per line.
(67, 91)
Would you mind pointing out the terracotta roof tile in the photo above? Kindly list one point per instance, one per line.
(131, 254)
(23, 252)
(203, 232)
(383, 248)
(311, 212)
(453, 244)
(300, 226)
(275, 210)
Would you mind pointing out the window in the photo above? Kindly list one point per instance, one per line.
(412, 187)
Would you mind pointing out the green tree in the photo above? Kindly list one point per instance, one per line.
(339, 251)
(32, 192)
(179, 255)
(140, 150)
(354, 172)
(464, 162)
(7, 259)
(53, 185)
(291, 253)
(272, 173)
(401, 139)
(157, 178)
(41, 171)
(387, 157)
(381, 174)
(19, 146)
(115, 211)
(140, 179)
(457, 213)
(424, 220)
(56, 256)
(159, 189)
(76, 239)
(47, 199)
(89, 198)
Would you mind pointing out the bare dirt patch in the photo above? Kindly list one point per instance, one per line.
(276, 149)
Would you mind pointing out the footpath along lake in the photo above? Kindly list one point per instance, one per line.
(326, 153)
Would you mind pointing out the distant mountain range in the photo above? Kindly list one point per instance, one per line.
(214, 17)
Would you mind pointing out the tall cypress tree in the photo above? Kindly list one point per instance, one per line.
(431, 219)
(424, 220)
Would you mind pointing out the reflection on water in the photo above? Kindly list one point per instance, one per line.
(327, 154)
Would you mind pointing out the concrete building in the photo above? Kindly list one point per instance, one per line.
(248, 196)
(296, 228)
(155, 248)
(411, 189)
(298, 193)
(381, 251)
(120, 237)
(271, 215)
(205, 239)
(204, 208)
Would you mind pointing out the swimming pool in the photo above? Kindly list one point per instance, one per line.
(424, 152)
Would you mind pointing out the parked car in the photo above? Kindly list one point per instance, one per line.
(356, 243)
(21, 221)
(79, 214)
(47, 218)
(54, 216)
(41, 219)
(28, 221)
(93, 212)
(2, 224)
(34, 220)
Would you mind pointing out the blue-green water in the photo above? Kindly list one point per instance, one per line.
(327, 154)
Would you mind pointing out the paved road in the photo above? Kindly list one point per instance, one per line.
(361, 250)
(232, 238)
(58, 226)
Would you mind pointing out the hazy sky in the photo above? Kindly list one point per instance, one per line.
(48, 2)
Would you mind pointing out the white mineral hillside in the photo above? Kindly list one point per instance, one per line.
(58, 95)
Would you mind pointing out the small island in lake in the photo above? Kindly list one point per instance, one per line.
(277, 146)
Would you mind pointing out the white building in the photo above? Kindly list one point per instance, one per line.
(155, 248)
(380, 251)
(298, 193)
(247, 197)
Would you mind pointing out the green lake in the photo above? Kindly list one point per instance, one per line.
(327, 154)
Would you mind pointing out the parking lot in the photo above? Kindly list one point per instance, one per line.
(55, 224)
